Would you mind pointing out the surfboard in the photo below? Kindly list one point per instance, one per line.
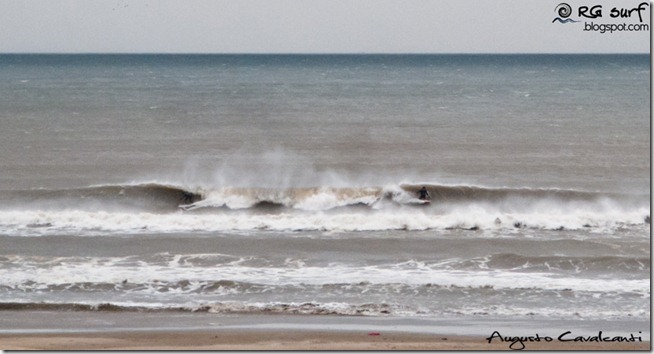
(188, 207)
(420, 202)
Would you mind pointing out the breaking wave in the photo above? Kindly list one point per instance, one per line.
(146, 196)
(306, 308)
(330, 308)
(158, 207)
(228, 284)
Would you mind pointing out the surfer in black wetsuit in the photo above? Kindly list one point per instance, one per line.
(187, 197)
(423, 194)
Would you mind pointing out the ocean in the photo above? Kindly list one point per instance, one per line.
(235, 185)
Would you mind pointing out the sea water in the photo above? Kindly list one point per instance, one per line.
(250, 184)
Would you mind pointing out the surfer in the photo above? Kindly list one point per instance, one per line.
(188, 197)
(423, 194)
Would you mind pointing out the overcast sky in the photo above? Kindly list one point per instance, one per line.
(308, 26)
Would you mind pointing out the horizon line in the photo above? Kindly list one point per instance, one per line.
(323, 54)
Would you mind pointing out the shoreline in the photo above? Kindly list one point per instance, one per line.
(73, 330)
(254, 339)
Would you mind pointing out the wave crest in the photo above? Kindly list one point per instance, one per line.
(155, 207)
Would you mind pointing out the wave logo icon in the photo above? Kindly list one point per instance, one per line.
(564, 11)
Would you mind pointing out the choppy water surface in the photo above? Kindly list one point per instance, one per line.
(287, 184)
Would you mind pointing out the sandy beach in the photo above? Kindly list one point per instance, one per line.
(84, 330)
(279, 340)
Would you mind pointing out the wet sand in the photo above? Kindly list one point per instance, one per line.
(110, 330)
(278, 340)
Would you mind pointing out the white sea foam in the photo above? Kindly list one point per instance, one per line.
(115, 270)
(83, 222)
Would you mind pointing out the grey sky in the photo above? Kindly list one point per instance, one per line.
(307, 26)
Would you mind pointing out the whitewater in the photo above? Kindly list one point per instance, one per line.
(159, 208)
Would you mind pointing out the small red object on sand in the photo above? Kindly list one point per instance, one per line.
(374, 333)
